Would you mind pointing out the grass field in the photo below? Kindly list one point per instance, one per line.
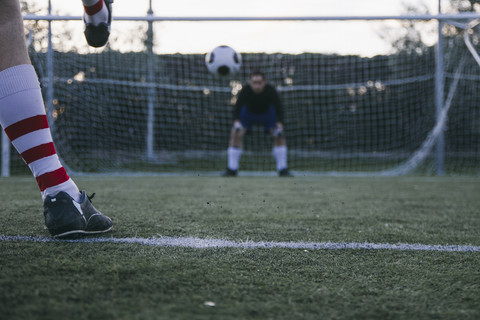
(107, 280)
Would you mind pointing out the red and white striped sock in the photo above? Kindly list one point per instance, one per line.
(22, 115)
(95, 12)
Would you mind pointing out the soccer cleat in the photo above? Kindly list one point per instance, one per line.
(64, 217)
(285, 173)
(97, 35)
(230, 173)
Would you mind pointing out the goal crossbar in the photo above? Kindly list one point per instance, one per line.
(440, 17)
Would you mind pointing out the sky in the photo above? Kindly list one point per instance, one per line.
(293, 37)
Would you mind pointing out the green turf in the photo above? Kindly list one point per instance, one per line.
(120, 281)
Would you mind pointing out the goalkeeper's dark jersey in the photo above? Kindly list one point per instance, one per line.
(258, 103)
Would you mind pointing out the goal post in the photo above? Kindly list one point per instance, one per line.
(5, 171)
(148, 111)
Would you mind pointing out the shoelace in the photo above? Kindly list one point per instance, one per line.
(91, 197)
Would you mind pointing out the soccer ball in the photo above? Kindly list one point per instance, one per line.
(223, 61)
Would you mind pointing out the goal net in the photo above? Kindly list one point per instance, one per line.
(112, 110)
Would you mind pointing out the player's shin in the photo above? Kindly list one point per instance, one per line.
(234, 155)
(22, 115)
(280, 154)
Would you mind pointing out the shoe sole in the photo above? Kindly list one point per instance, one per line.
(96, 43)
(78, 233)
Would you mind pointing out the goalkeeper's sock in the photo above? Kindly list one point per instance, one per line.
(234, 155)
(280, 154)
(22, 115)
(95, 12)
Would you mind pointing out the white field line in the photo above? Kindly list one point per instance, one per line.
(190, 242)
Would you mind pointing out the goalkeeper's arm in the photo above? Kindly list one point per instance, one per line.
(237, 108)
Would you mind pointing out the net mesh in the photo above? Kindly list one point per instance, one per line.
(118, 111)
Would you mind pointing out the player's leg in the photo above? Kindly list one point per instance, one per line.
(97, 18)
(234, 152)
(235, 146)
(13, 50)
(279, 149)
(279, 152)
(22, 115)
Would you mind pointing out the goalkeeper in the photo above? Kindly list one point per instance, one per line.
(258, 103)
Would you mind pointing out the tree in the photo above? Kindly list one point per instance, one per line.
(409, 36)
(35, 31)
(464, 5)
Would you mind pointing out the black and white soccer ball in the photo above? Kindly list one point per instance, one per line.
(223, 61)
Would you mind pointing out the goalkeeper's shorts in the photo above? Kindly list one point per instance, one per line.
(268, 119)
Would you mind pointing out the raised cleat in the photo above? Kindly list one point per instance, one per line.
(65, 218)
(97, 35)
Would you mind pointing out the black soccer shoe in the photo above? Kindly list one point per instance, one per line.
(97, 36)
(64, 217)
(285, 173)
(230, 173)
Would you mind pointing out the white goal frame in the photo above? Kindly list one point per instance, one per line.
(439, 64)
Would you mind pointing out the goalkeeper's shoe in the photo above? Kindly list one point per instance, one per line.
(285, 173)
(230, 173)
(65, 218)
(97, 35)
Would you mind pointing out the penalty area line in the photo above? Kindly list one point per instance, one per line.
(192, 242)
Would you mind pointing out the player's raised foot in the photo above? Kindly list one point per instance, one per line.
(285, 173)
(66, 218)
(97, 33)
(230, 173)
